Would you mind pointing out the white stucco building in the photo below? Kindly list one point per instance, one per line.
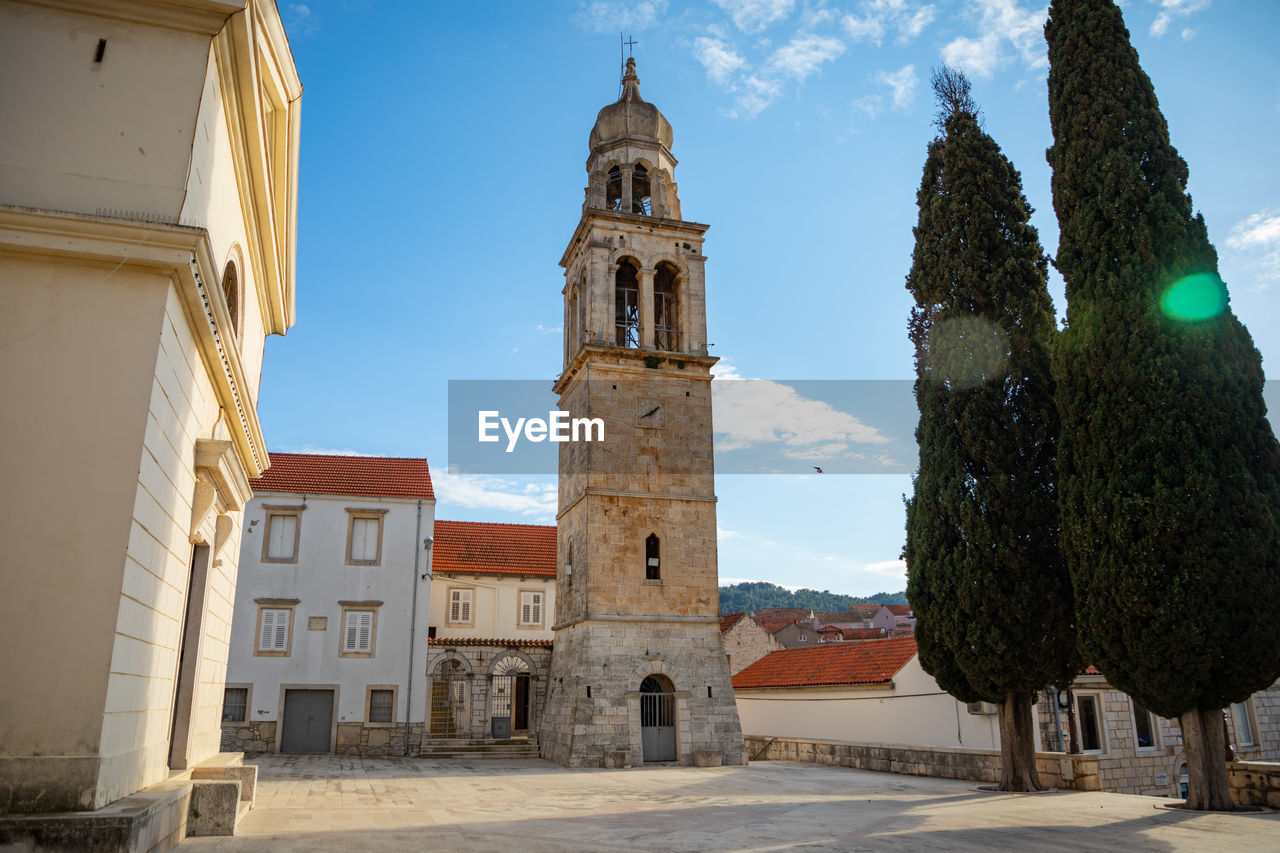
(328, 648)
(872, 691)
(148, 186)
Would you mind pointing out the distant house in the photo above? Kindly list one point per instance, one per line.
(1137, 751)
(489, 649)
(745, 640)
(872, 691)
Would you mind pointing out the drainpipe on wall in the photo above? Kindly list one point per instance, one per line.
(413, 627)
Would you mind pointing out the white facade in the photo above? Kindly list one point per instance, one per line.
(507, 607)
(911, 709)
(360, 563)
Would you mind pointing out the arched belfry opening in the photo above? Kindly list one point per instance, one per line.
(626, 305)
(613, 189)
(658, 718)
(640, 195)
(666, 309)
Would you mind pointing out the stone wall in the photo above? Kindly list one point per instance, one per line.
(1254, 783)
(746, 642)
(1057, 770)
(378, 741)
(252, 737)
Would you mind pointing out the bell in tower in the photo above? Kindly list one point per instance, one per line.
(639, 672)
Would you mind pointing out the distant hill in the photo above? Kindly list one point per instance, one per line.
(754, 595)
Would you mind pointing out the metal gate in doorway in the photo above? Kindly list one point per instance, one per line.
(657, 720)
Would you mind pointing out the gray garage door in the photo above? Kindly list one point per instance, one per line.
(308, 721)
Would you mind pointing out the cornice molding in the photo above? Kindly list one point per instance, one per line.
(183, 252)
(205, 17)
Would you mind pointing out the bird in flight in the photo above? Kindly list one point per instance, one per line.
(816, 468)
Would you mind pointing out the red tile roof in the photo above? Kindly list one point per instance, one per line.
(486, 641)
(367, 476)
(873, 662)
(863, 633)
(899, 609)
(476, 547)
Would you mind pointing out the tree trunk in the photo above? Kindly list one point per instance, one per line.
(1017, 745)
(1204, 746)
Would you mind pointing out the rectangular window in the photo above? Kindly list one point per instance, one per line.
(364, 537)
(460, 606)
(358, 635)
(381, 704)
(1090, 724)
(281, 540)
(273, 629)
(1144, 726)
(1243, 724)
(234, 702)
(530, 608)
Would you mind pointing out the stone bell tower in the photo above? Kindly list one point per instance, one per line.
(639, 671)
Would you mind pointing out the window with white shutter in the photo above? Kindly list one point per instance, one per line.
(273, 633)
(530, 607)
(358, 633)
(282, 537)
(364, 537)
(460, 606)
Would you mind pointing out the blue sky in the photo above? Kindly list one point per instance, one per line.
(442, 174)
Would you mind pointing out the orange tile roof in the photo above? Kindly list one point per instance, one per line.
(729, 620)
(477, 547)
(367, 476)
(872, 662)
(863, 633)
(487, 641)
(899, 609)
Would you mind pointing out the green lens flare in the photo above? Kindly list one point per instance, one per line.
(1196, 297)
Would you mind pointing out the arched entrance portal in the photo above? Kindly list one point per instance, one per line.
(509, 698)
(658, 718)
(448, 699)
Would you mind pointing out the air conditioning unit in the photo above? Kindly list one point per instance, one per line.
(987, 708)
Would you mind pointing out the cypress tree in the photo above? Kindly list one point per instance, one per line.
(985, 576)
(1169, 471)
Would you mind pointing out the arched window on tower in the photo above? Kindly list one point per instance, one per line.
(231, 292)
(626, 306)
(652, 558)
(613, 190)
(640, 201)
(666, 309)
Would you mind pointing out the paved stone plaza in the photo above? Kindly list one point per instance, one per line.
(334, 803)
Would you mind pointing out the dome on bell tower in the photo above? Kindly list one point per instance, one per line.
(631, 116)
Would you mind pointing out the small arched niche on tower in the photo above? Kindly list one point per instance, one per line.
(626, 305)
(666, 308)
(653, 558)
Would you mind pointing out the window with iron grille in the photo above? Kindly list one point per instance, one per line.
(234, 703)
(381, 704)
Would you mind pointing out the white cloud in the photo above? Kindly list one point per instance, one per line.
(1188, 34)
(719, 58)
(752, 16)
(611, 16)
(1005, 30)
(889, 568)
(299, 20)
(324, 451)
(757, 94)
(1257, 238)
(876, 17)
(902, 82)
(535, 499)
(1171, 9)
(803, 55)
(762, 411)
(872, 105)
